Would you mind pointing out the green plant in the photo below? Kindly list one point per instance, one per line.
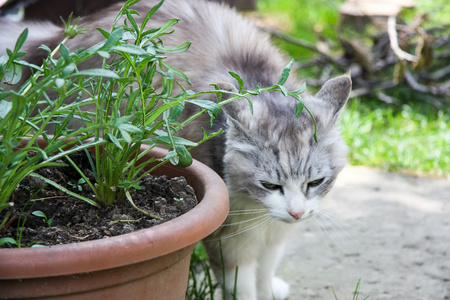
(134, 100)
(17, 120)
(78, 186)
(45, 219)
(19, 230)
(355, 293)
(201, 284)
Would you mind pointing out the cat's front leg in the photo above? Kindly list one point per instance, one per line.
(245, 287)
(270, 287)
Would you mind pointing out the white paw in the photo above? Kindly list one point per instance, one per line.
(280, 289)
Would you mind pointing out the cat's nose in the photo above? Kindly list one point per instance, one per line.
(296, 214)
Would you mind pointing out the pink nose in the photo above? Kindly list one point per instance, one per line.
(297, 214)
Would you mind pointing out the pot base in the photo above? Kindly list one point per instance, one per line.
(146, 280)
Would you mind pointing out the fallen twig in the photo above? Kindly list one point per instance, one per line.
(438, 90)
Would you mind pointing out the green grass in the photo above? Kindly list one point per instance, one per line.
(300, 19)
(413, 139)
(355, 293)
(437, 10)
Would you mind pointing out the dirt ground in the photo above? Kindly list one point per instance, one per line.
(390, 230)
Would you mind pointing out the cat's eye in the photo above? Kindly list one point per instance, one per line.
(315, 183)
(272, 186)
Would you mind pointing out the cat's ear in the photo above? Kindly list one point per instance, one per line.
(334, 93)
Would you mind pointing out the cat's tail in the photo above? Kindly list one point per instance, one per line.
(38, 33)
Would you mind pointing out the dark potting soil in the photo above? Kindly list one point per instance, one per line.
(75, 220)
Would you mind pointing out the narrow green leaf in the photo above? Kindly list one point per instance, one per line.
(45, 48)
(155, 114)
(7, 240)
(18, 104)
(172, 157)
(212, 107)
(168, 84)
(65, 53)
(3, 60)
(39, 213)
(115, 141)
(59, 82)
(96, 72)
(300, 90)
(176, 112)
(285, 73)
(126, 136)
(20, 54)
(20, 40)
(124, 9)
(5, 107)
(315, 124)
(165, 140)
(150, 14)
(184, 157)
(131, 49)
(239, 80)
(284, 91)
(176, 72)
(129, 128)
(56, 185)
(175, 49)
(132, 21)
(27, 64)
(103, 54)
(103, 32)
(13, 74)
(163, 30)
(112, 39)
(69, 69)
(299, 108)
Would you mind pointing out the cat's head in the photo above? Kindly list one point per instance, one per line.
(272, 157)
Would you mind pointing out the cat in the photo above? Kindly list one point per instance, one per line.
(275, 171)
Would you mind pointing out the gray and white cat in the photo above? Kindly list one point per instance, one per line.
(275, 171)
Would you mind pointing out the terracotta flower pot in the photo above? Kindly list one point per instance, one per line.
(147, 264)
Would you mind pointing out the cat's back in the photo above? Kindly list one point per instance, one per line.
(222, 40)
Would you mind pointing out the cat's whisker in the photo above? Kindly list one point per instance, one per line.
(320, 228)
(319, 221)
(244, 221)
(250, 238)
(334, 214)
(247, 211)
(345, 227)
(337, 232)
(245, 229)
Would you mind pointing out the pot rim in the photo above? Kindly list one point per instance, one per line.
(126, 249)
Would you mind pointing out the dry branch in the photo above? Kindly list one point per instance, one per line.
(373, 63)
(392, 31)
